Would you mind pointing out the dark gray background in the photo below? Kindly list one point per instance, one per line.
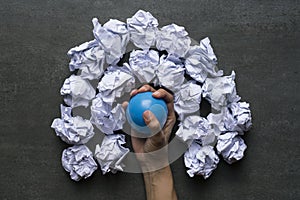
(257, 39)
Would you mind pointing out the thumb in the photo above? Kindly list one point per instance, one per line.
(157, 139)
(151, 121)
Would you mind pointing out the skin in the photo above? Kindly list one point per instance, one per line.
(152, 152)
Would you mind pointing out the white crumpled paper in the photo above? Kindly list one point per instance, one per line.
(216, 122)
(115, 82)
(238, 117)
(77, 91)
(231, 147)
(72, 130)
(170, 73)
(174, 39)
(113, 37)
(142, 28)
(195, 127)
(201, 62)
(111, 153)
(144, 65)
(200, 160)
(187, 99)
(106, 118)
(79, 162)
(89, 58)
(220, 91)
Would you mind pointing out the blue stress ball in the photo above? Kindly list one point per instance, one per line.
(141, 102)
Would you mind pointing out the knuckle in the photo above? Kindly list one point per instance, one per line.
(154, 126)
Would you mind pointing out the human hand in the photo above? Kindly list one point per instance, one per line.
(152, 152)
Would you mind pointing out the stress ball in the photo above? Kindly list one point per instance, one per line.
(141, 102)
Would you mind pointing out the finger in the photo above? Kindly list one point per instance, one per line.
(157, 140)
(124, 105)
(144, 88)
(163, 94)
(133, 92)
(169, 126)
(151, 121)
(168, 98)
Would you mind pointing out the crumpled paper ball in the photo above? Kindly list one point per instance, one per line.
(231, 147)
(72, 130)
(200, 160)
(79, 162)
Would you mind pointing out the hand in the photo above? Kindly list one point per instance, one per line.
(161, 138)
(152, 152)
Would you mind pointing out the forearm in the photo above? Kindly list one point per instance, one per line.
(159, 184)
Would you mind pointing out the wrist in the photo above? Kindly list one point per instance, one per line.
(159, 184)
(164, 171)
(153, 161)
(153, 166)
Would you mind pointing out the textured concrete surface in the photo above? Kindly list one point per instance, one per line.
(257, 39)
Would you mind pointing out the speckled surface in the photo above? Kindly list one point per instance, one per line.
(257, 39)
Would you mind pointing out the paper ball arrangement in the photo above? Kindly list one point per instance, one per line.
(217, 135)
